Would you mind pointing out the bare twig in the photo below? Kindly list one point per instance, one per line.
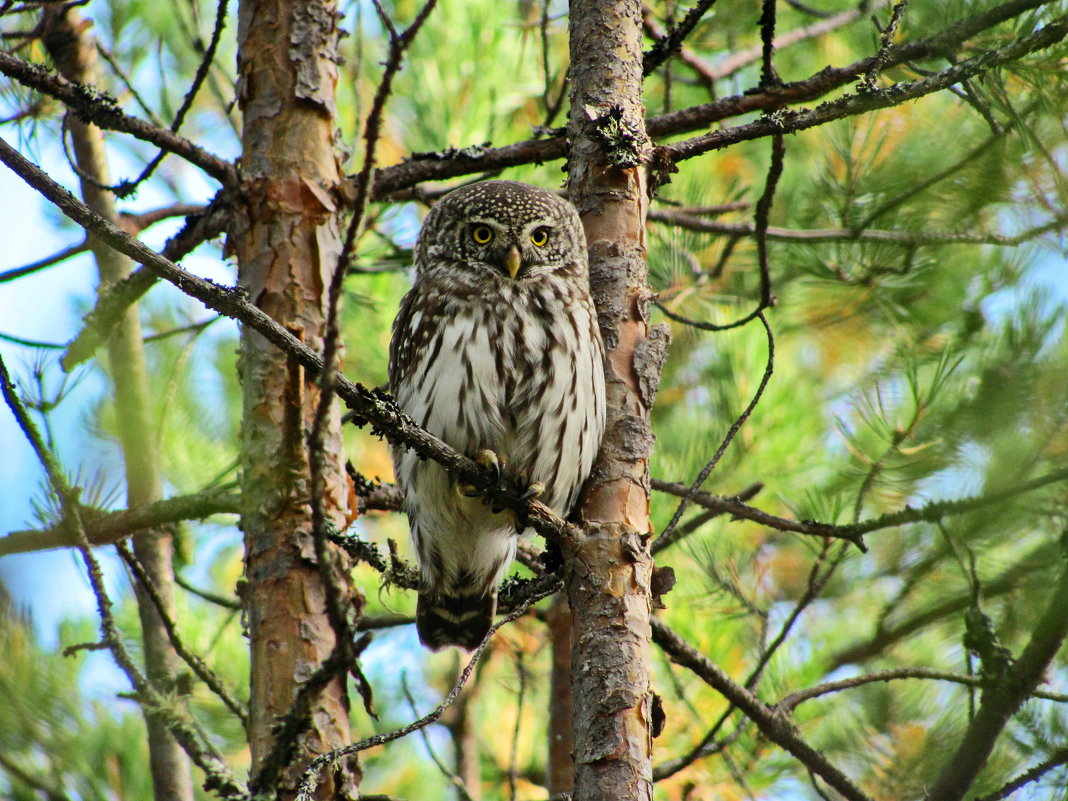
(795, 699)
(667, 534)
(786, 121)
(55, 258)
(195, 663)
(105, 112)
(311, 776)
(670, 44)
(853, 532)
(126, 188)
(453, 779)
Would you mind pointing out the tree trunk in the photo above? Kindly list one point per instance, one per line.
(560, 770)
(287, 241)
(74, 53)
(608, 572)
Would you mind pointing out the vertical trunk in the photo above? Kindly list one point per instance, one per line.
(74, 52)
(287, 242)
(608, 573)
(560, 770)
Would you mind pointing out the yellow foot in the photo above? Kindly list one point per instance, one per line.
(489, 460)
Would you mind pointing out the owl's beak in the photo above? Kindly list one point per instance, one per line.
(513, 261)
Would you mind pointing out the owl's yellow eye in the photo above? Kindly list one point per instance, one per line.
(539, 236)
(482, 234)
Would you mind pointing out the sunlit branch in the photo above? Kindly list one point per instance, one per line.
(743, 58)
(772, 723)
(113, 301)
(105, 528)
(453, 163)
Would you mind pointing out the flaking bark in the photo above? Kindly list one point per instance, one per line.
(287, 240)
(608, 570)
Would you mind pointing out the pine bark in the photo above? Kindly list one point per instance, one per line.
(287, 240)
(608, 572)
(64, 34)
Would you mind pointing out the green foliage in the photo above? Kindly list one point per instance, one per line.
(918, 358)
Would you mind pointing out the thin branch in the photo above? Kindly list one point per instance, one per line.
(106, 528)
(886, 635)
(310, 779)
(667, 534)
(102, 110)
(112, 302)
(199, 749)
(695, 523)
(790, 702)
(126, 188)
(788, 121)
(672, 42)
(772, 723)
(853, 532)
(226, 602)
(1055, 760)
(50, 791)
(55, 258)
(465, 161)
(195, 663)
(332, 336)
(453, 779)
(886, 42)
(742, 58)
(815, 236)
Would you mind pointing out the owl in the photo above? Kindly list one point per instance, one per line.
(496, 351)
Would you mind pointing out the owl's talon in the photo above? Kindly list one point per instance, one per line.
(533, 490)
(489, 460)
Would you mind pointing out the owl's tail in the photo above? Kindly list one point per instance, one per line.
(462, 620)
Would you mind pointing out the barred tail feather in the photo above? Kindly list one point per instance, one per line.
(461, 620)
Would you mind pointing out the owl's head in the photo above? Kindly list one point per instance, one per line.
(504, 229)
